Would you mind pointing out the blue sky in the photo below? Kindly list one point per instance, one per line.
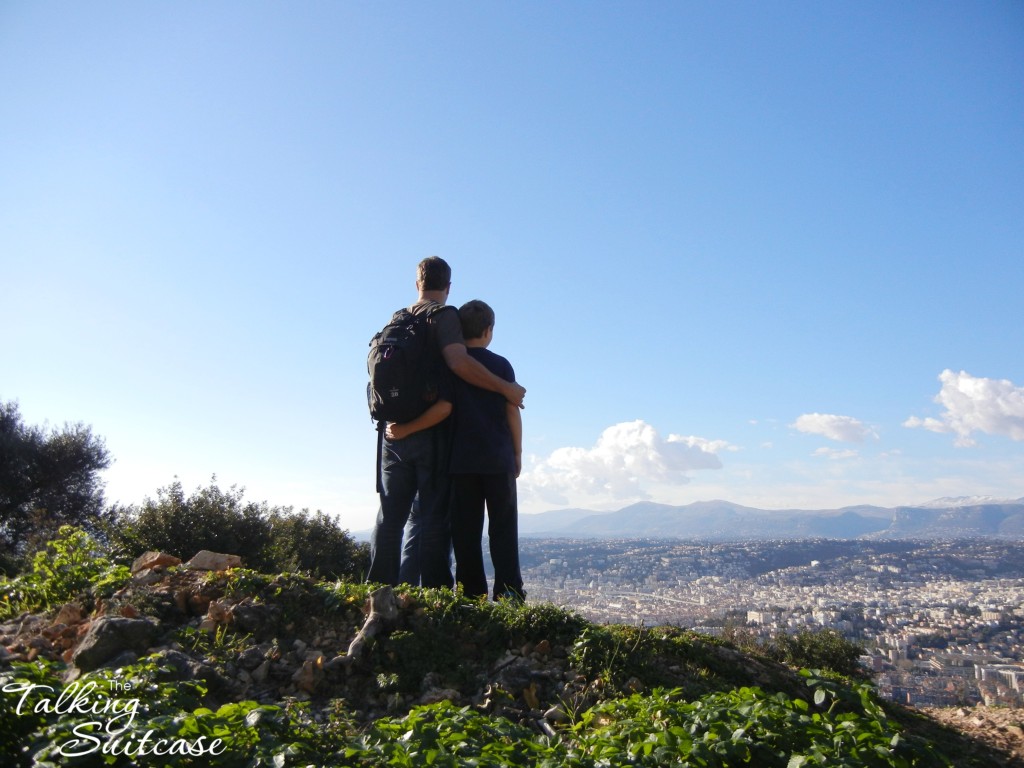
(767, 252)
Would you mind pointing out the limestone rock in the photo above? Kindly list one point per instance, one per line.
(205, 560)
(219, 612)
(69, 613)
(109, 636)
(148, 576)
(150, 560)
(434, 695)
(255, 618)
(309, 675)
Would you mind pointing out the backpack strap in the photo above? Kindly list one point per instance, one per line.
(380, 455)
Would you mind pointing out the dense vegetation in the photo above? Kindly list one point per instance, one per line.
(49, 479)
(267, 538)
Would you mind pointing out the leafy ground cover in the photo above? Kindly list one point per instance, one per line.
(161, 722)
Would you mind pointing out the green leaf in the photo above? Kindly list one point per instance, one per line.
(253, 718)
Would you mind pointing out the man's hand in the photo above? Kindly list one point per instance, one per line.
(514, 393)
(472, 371)
(395, 431)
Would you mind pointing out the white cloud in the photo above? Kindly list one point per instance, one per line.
(626, 457)
(972, 404)
(836, 453)
(932, 425)
(844, 429)
(708, 446)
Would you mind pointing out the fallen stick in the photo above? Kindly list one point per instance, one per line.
(383, 612)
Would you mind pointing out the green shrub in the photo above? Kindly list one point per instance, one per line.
(268, 539)
(446, 736)
(535, 620)
(155, 709)
(826, 649)
(748, 726)
(314, 543)
(70, 565)
(48, 479)
(210, 518)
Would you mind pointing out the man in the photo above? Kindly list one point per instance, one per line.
(412, 456)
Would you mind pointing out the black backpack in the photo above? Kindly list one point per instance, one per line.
(403, 364)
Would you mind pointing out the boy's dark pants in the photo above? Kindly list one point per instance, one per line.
(470, 493)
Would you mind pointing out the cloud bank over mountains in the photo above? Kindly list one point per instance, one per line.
(633, 461)
(626, 457)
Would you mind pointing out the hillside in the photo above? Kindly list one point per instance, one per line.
(289, 671)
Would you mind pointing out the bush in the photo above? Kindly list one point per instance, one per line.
(314, 544)
(209, 519)
(826, 649)
(749, 726)
(68, 567)
(269, 540)
(47, 479)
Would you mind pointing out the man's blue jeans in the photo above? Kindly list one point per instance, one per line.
(409, 570)
(410, 466)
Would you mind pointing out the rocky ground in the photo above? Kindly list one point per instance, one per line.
(998, 727)
(279, 643)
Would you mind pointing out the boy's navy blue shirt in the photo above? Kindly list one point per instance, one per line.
(482, 441)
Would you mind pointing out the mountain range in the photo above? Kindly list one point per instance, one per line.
(946, 518)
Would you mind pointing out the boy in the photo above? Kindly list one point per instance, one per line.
(486, 459)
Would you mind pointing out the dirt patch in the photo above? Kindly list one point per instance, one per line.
(995, 726)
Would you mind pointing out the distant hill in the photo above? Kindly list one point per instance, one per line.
(722, 520)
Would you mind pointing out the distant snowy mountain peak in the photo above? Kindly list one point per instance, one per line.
(952, 502)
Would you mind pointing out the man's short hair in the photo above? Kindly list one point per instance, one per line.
(476, 317)
(433, 274)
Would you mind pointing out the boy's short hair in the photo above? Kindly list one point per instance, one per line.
(476, 317)
(433, 274)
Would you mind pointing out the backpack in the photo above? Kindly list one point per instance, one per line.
(403, 364)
